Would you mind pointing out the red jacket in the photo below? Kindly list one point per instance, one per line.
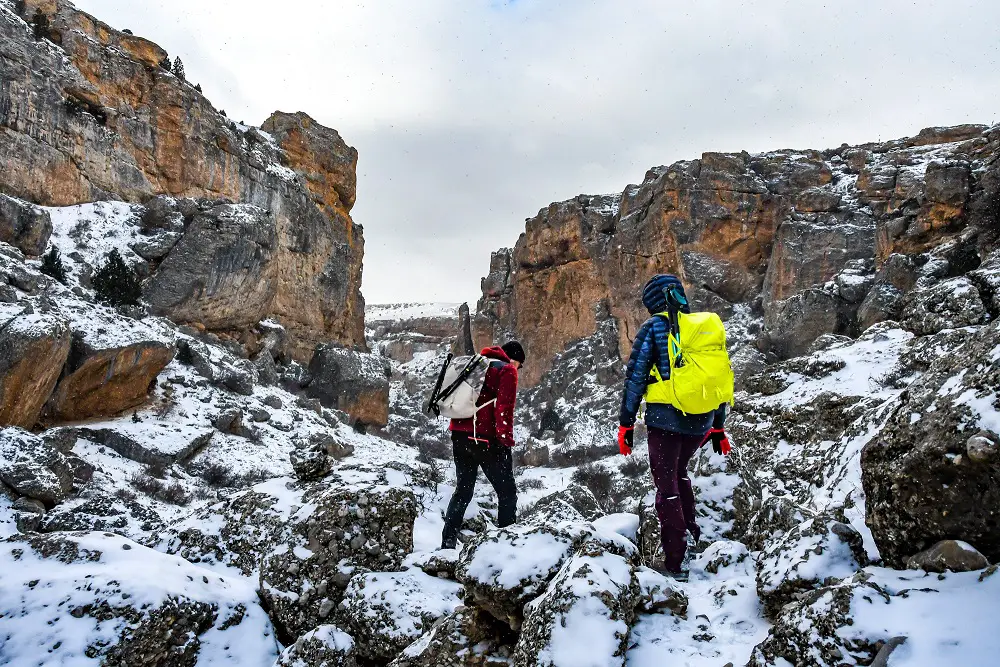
(495, 421)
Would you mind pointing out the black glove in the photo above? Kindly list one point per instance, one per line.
(720, 441)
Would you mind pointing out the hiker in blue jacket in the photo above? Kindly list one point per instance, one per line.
(673, 436)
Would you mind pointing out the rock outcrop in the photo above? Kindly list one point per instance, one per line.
(25, 227)
(352, 381)
(921, 481)
(801, 238)
(349, 531)
(88, 113)
(33, 350)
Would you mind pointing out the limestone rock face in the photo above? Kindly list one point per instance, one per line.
(355, 382)
(803, 239)
(89, 114)
(33, 350)
(221, 273)
(920, 482)
(27, 228)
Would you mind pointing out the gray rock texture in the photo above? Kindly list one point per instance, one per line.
(920, 483)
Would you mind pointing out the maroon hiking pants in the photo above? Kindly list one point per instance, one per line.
(669, 454)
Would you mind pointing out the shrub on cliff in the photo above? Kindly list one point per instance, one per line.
(179, 68)
(52, 265)
(19, 7)
(116, 283)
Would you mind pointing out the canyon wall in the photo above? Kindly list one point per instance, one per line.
(793, 243)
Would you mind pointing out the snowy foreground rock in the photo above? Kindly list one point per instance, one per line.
(98, 596)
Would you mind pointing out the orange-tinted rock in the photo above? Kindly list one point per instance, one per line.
(102, 382)
(98, 118)
(33, 350)
(815, 224)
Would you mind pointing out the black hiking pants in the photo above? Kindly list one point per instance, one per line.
(498, 466)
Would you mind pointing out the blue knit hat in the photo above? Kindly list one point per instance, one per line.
(654, 294)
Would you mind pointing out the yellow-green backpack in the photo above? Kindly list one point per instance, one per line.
(701, 377)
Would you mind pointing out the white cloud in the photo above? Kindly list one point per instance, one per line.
(470, 115)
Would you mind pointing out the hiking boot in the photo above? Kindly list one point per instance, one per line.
(680, 577)
(449, 543)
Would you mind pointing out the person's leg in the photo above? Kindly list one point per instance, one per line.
(466, 467)
(689, 445)
(664, 457)
(498, 465)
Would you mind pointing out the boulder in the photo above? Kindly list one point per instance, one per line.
(953, 555)
(440, 563)
(326, 646)
(154, 443)
(354, 382)
(33, 350)
(950, 304)
(107, 373)
(921, 485)
(221, 273)
(595, 585)
(24, 226)
(217, 366)
(816, 553)
(492, 583)
(883, 302)
(83, 597)
(791, 325)
(348, 531)
(239, 531)
(468, 637)
(310, 464)
(658, 593)
(573, 503)
(386, 612)
(34, 468)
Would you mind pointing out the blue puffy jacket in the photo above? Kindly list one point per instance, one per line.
(650, 347)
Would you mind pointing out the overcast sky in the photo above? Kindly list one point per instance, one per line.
(471, 115)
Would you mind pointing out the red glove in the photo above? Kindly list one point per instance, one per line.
(720, 441)
(626, 435)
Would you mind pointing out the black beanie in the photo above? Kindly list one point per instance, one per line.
(513, 350)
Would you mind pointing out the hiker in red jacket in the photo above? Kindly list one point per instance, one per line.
(487, 444)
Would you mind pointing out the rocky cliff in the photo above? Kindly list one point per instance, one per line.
(802, 243)
(90, 113)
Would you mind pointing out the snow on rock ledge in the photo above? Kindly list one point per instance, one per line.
(817, 552)
(326, 646)
(946, 619)
(386, 612)
(584, 618)
(98, 596)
